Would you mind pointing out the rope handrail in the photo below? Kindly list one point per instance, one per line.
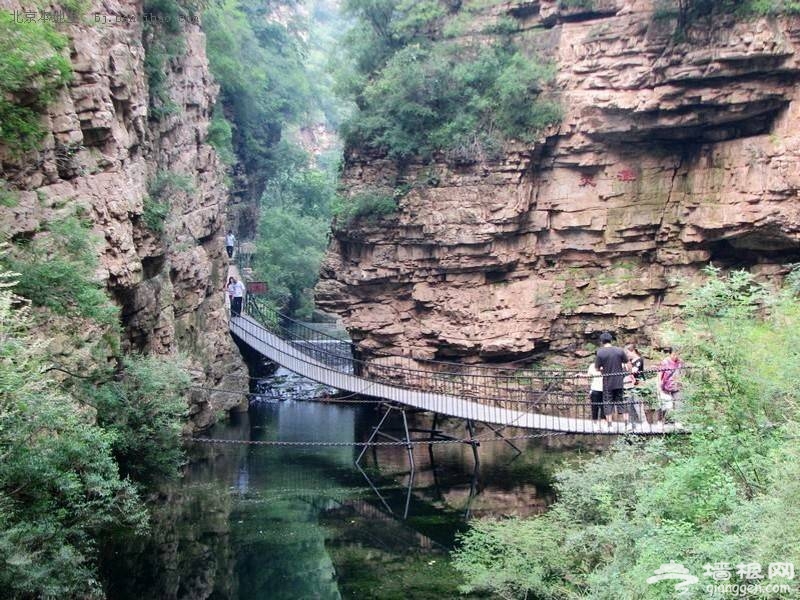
(556, 390)
(281, 317)
(404, 443)
(276, 320)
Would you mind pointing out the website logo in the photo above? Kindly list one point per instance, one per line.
(676, 571)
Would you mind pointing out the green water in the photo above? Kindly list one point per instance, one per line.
(296, 523)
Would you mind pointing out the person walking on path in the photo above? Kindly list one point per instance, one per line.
(236, 294)
(230, 242)
(669, 385)
(595, 394)
(613, 363)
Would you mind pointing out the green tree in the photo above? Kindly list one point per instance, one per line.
(271, 91)
(289, 252)
(418, 93)
(447, 97)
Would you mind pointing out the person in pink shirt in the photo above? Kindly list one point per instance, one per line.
(669, 384)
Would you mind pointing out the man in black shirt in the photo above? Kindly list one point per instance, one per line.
(613, 363)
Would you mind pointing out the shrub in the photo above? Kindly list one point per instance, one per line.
(161, 189)
(576, 4)
(154, 214)
(8, 197)
(502, 26)
(57, 271)
(521, 80)
(143, 410)
(220, 136)
(166, 183)
(32, 70)
(369, 204)
(689, 13)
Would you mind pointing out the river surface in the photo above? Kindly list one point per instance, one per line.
(275, 522)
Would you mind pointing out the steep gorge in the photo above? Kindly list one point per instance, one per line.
(103, 156)
(670, 154)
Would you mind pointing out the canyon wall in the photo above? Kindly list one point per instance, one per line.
(671, 154)
(101, 156)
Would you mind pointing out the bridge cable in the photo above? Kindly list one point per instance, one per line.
(369, 444)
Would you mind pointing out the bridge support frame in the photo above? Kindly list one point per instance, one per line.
(376, 431)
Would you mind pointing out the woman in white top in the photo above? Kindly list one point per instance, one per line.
(236, 293)
(596, 392)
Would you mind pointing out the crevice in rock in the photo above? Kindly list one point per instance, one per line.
(526, 10)
(764, 246)
(152, 265)
(578, 17)
(756, 118)
(660, 235)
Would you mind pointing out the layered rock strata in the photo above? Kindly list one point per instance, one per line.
(101, 154)
(670, 155)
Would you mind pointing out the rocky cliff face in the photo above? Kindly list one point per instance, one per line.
(670, 155)
(101, 153)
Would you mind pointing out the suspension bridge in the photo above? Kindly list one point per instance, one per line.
(551, 400)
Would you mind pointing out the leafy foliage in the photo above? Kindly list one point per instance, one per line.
(220, 135)
(418, 94)
(284, 88)
(154, 214)
(692, 12)
(57, 271)
(167, 183)
(8, 197)
(296, 208)
(32, 70)
(161, 189)
(576, 4)
(367, 204)
(725, 493)
(142, 409)
(290, 249)
(59, 485)
(271, 91)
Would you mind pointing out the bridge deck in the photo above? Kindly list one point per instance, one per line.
(292, 357)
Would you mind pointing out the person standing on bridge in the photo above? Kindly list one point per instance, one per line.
(637, 363)
(669, 385)
(236, 293)
(595, 394)
(613, 363)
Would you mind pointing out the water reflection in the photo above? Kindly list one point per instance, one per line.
(289, 522)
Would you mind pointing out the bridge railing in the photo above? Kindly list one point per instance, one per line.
(554, 391)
